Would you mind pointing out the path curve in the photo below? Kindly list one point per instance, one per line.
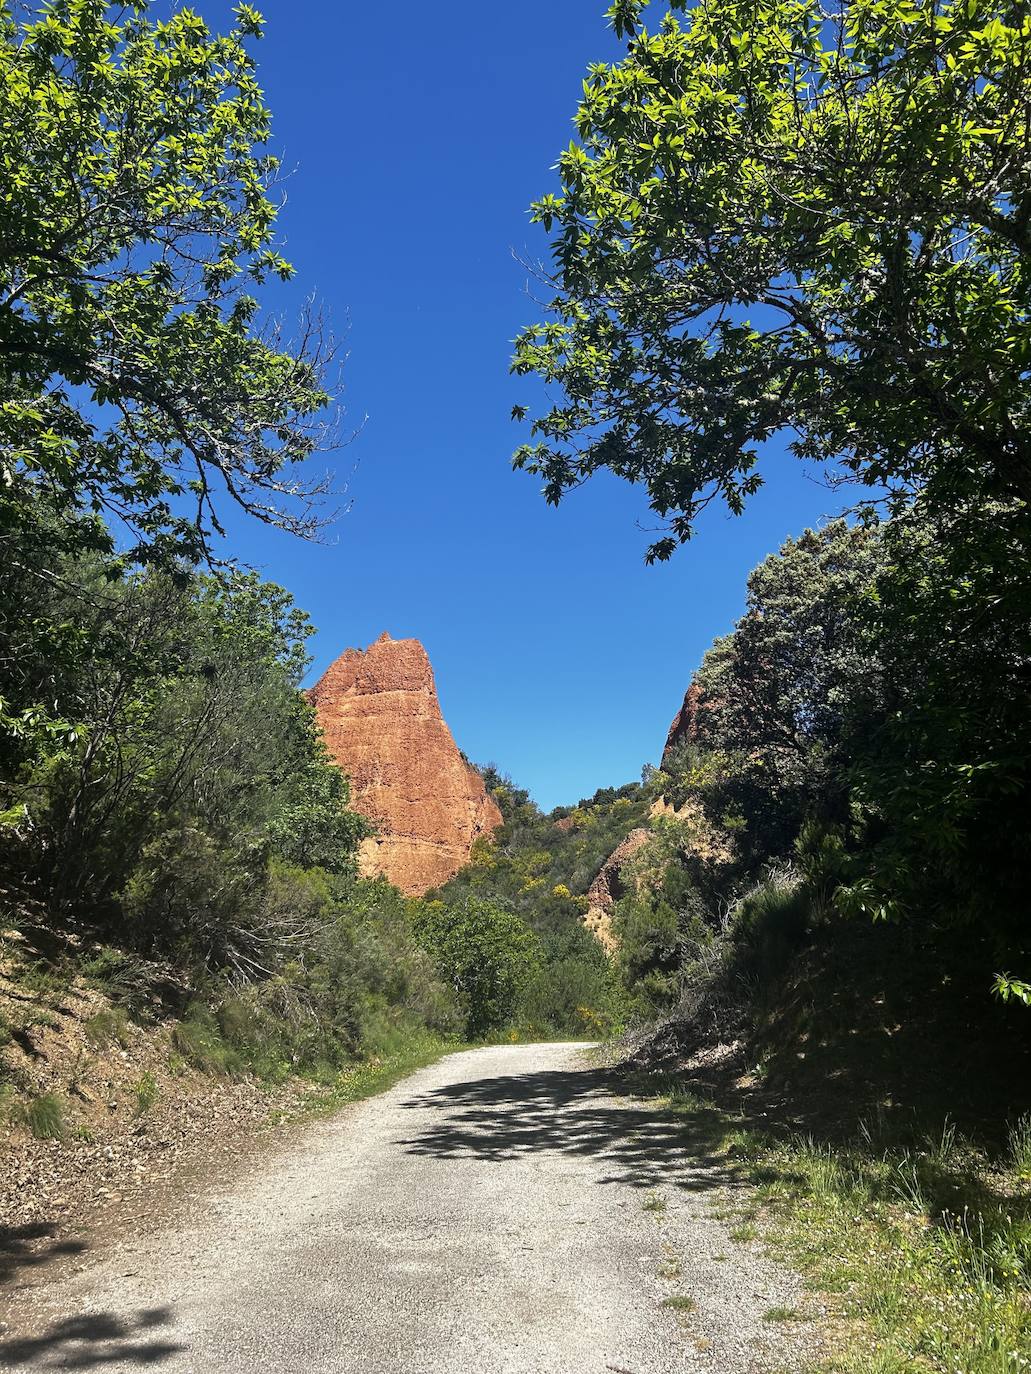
(502, 1211)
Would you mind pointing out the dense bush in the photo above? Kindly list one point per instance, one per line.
(187, 761)
(485, 954)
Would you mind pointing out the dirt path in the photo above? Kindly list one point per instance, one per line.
(500, 1211)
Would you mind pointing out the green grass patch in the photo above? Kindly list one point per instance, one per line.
(43, 1117)
(925, 1248)
(108, 1027)
(378, 1074)
(145, 1090)
(743, 1233)
(782, 1314)
(680, 1302)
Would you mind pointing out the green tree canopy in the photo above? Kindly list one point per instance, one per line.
(775, 219)
(136, 213)
(484, 953)
(779, 698)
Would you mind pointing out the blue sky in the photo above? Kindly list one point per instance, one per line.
(416, 137)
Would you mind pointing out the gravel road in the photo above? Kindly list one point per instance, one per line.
(504, 1210)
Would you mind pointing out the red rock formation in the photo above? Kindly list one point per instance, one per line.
(380, 715)
(608, 887)
(685, 722)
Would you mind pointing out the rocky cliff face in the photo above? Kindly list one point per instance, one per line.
(379, 712)
(608, 887)
(685, 723)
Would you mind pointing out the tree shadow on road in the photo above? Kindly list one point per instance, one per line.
(23, 1247)
(96, 1338)
(572, 1112)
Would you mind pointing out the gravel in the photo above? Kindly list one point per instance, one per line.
(504, 1210)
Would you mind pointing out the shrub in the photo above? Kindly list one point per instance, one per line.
(199, 1041)
(770, 923)
(485, 953)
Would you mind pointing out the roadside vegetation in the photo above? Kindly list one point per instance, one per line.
(919, 1254)
(173, 836)
(778, 226)
(774, 225)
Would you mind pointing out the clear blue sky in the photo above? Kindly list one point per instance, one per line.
(417, 136)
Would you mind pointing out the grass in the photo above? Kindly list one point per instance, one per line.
(653, 1202)
(924, 1250)
(43, 1117)
(145, 1090)
(679, 1302)
(743, 1232)
(108, 1027)
(199, 1042)
(378, 1074)
(1020, 1147)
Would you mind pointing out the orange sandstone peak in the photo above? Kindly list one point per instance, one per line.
(380, 715)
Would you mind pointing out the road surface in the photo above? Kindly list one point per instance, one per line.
(502, 1212)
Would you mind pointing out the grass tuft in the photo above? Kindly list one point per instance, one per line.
(109, 1027)
(1020, 1146)
(146, 1093)
(743, 1233)
(43, 1117)
(680, 1302)
(781, 1314)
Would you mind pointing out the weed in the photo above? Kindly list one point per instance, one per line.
(43, 979)
(146, 1091)
(654, 1202)
(43, 1117)
(1020, 1146)
(680, 1303)
(201, 1044)
(781, 1314)
(108, 1027)
(124, 978)
(80, 1070)
(744, 1232)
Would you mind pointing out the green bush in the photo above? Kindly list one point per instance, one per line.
(486, 954)
(199, 1041)
(770, 924)
(570, 992)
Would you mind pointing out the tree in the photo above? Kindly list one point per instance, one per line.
(776, 219)
(136, 213)
(198, 754)
(779, 698)
(484, 953)
(941, 778)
